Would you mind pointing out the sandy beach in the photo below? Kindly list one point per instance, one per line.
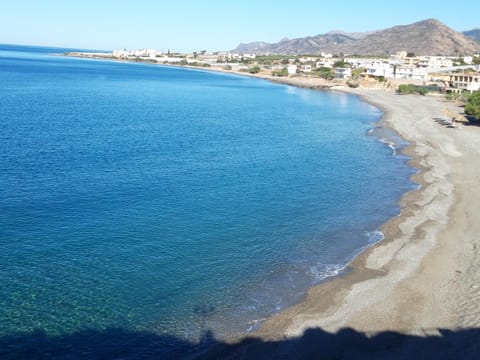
(425, 276)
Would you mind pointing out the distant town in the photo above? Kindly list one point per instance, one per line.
(451, 74)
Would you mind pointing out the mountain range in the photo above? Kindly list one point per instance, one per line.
(427, 37)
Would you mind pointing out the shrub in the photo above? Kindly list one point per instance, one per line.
(353, 83)
(412, 89)
(472, 107)
(325, 73)
(341, 64)
(254, 70)
(283, 72)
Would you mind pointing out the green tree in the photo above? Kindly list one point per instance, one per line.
(472, 107)
(254, 70)
(341, 64)
(325, 73)
(412, 89)
(283, 72)
(459, 61)
(357, 72)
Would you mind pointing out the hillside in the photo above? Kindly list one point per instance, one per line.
(427, 37)
(473, 34)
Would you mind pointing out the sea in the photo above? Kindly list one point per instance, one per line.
(182, 206)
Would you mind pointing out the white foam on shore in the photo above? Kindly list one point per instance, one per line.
(391, 145)
(324, 271)
(321, 272)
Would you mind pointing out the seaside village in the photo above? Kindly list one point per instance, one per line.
(450, 74)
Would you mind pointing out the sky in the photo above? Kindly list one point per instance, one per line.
(194, 25)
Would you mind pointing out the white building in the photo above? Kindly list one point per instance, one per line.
(435, 63)
(411, 72)
(238, 67)
(122, 53)
(469, 82)
(379, 68)
(306, 68)
(343, 73)
(143, 53)
(207, 58)
(292, 69)
(249, 56)
(324, 63)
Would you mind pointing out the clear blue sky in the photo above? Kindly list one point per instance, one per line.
(190, 25)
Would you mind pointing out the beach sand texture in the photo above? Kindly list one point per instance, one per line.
(425, 276)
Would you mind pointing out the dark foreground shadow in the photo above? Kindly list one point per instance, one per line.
(314, 344)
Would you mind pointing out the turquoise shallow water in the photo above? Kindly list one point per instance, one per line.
(175, 201)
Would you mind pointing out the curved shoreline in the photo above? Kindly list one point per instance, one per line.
(424, 275)
(412, 280)
(422, 278)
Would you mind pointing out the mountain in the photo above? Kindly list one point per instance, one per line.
(355, 35)
(473, 34)
(427, 37)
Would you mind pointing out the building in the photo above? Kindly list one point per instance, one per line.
(468, 82)
(207, 58)
(379, 68)
(411, 73)
(249, 56)
(141, 53)
(292, 69)
(306, 68)
(343, 73)
(434, 63)
(324, 63)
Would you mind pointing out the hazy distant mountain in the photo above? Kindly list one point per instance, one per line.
(354, 35)
(473, 34)
(427, 37)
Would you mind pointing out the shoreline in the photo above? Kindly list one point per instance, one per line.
(378, 293)
(423, 275)
(306, 82)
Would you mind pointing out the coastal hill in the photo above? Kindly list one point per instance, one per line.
(427, 37)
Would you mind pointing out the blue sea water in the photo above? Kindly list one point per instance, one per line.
(177, 201)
